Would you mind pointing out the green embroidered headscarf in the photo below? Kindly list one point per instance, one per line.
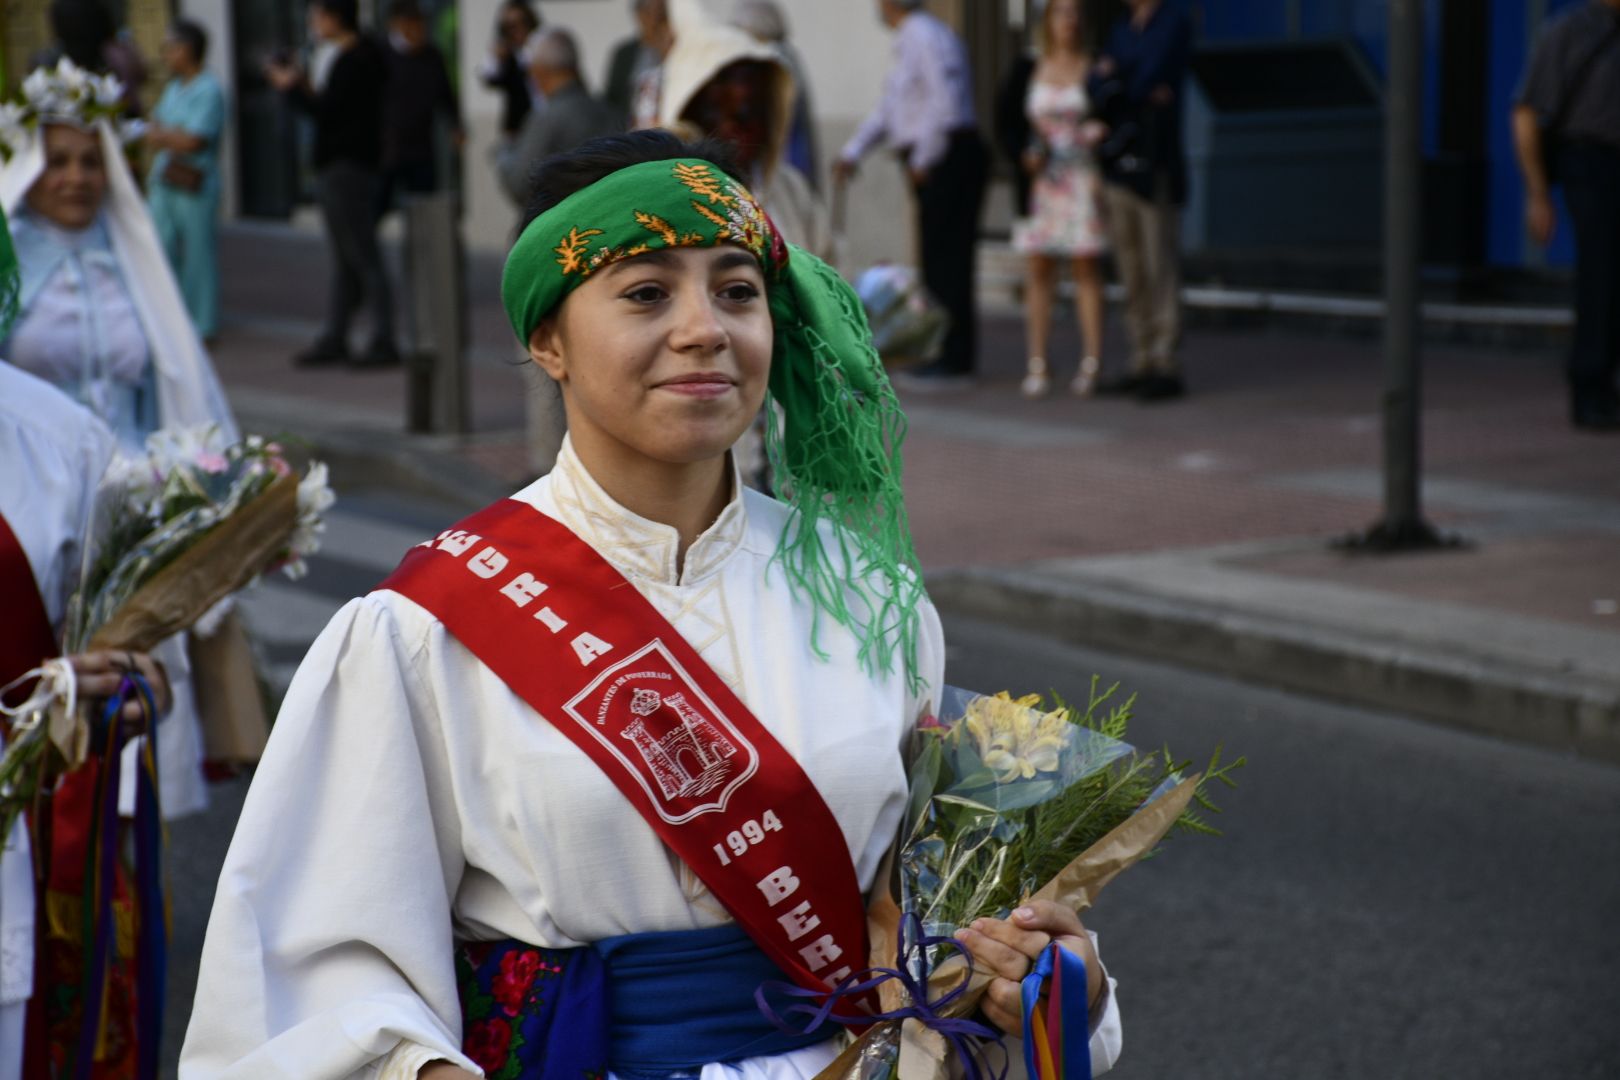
(835, 446)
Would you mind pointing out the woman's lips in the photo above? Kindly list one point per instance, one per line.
(702, 385)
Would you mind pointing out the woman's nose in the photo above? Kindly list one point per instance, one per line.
(698, 325)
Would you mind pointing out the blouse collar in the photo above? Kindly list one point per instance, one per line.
(638, 547)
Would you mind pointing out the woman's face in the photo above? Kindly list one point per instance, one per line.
(664, 357)
(1063, 23)
(70, 190)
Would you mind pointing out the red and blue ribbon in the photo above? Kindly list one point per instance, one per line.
(1057, 1040)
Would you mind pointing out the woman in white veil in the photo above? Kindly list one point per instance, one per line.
(101, 314)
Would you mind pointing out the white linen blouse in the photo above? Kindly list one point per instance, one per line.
(409, 798)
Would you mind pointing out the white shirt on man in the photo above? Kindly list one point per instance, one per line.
(927, 94)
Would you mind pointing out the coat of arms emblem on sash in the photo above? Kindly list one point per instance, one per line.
(660, 726)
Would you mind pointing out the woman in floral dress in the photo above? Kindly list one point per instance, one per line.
(1065, 220)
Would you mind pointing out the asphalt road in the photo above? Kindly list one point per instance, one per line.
(1390, 899)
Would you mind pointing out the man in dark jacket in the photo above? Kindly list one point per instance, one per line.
(347, 110)
(1571, 93)
(419, 94)
(1137, 85)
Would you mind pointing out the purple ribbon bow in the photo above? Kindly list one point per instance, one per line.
(911, 951)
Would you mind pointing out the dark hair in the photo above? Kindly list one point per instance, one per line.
(560, 175)
(524, 8)
(404, 9)
(192, 36)
(82, 27)
(346, 12)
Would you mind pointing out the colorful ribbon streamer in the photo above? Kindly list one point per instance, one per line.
(1057, 1043)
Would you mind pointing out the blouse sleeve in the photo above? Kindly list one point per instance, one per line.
(329, 948)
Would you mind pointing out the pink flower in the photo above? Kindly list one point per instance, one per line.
(280, 466)
(212, 462)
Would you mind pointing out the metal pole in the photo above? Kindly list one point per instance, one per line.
(1402, 240)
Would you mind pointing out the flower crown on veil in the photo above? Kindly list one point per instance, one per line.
(65, 94)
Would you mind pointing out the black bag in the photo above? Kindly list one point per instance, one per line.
(1552, 130)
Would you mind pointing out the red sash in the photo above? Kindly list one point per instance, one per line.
(28, 638)
(575, 640)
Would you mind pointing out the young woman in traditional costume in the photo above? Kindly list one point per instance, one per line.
(598, 762)
(52, 455)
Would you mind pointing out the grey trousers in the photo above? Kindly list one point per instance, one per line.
(1147, 249)
(347, 195)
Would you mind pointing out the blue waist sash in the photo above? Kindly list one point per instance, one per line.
(642, 1006)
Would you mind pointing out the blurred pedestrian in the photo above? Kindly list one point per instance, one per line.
(183, 182)
(515, 22)
(1566, 129)
(767, 22)
(571, 115)
(657, 33)
(419, 98)
(1065, 221)
(347, 111)
(1136, 85)
(926, 114)
(636, 55)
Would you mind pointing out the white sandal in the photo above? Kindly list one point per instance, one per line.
(1037, 382)
(1085, 383)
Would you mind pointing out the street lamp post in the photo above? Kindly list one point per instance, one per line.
(1402, 527)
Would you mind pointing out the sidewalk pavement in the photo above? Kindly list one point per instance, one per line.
(1196, 531)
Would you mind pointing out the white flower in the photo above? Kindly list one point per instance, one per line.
(71, 76)
(172, 447)
(108, 90)
(315, 497)
(39, 84)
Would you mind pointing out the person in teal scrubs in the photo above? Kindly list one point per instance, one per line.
(183, 185)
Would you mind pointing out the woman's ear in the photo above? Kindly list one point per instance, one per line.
(545, 349)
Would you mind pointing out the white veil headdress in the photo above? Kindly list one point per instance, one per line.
(189, 394)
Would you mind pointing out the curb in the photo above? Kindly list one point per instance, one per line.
(1522, 701)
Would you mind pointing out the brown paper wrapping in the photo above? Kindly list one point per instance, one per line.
(924, 1054)
(219, 564)
(229, 703)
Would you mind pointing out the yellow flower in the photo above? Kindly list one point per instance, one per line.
(1014, 739)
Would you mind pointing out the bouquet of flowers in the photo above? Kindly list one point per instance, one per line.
(179, 530)
(1009, 802)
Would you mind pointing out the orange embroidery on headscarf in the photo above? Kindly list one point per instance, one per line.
(571, 252)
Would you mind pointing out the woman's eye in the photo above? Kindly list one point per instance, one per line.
(645, 294)
(740, 292)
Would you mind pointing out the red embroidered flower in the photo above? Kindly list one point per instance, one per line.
(487, 1044)
(511, 985)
